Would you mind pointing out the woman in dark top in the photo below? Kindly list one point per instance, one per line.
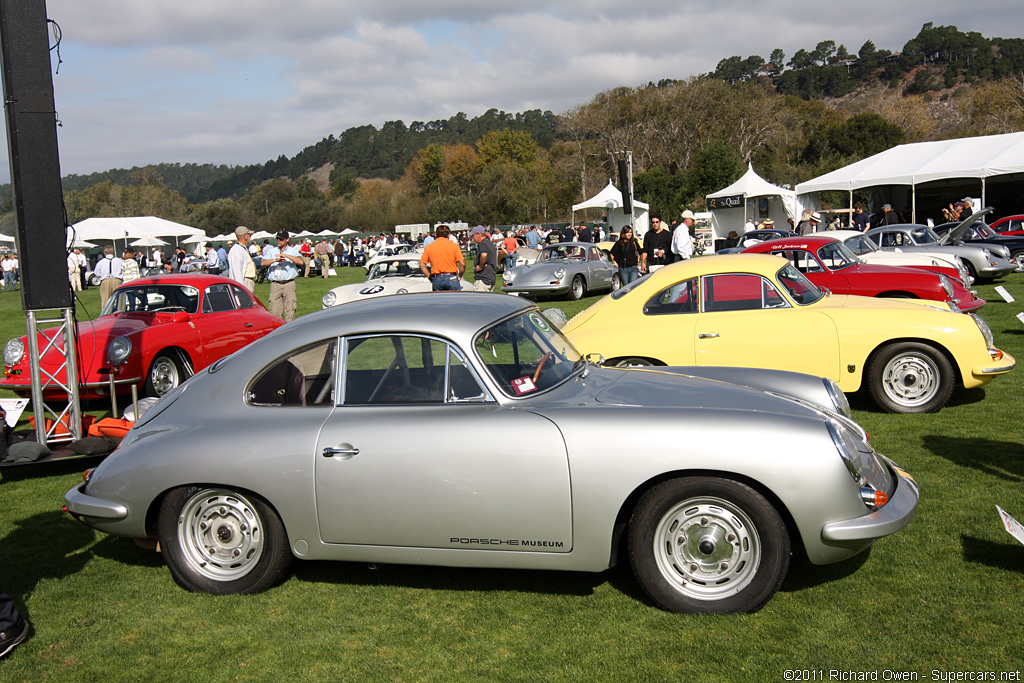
(625, 254)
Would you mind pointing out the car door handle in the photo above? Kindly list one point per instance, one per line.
(247, 325)
(346, 452)
(708, 335)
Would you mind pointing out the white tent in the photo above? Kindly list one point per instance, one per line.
(923, 162)
(123, 229)
(610, 199)
(750, 197)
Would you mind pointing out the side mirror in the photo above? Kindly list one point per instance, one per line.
(180, 317)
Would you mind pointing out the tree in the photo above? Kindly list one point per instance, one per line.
(778, 59)
(507, 145)
(714, 166)
(824, 50)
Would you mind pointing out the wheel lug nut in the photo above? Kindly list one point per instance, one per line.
(236, 552)
(731, 538)
(723, 566)
(222, 510)
(703, 521)
(243, 527)
(693, 567)
(202, 525)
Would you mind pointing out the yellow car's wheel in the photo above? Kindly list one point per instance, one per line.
(910, 377)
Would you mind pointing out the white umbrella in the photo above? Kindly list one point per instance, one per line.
(304, 233)
(326, 233)
(261, 235)
(82, 244)
(6, 238)
(348, 231)
(196, 239)
(149, 241)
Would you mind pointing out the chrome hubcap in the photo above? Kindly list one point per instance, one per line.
(707, 548)
(220, 534)
(164, 376)
(910, 379)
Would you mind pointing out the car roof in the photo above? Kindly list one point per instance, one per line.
(200, 280)
(762, 264)
(444, 313)
(798, 242)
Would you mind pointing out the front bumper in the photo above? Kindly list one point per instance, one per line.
(91, 510)
(996, 367)
(546, 288)
(998, 271)
(888, 519)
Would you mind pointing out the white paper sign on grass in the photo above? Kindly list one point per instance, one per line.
(1007, 297)
(13, 407)
(1013, 527)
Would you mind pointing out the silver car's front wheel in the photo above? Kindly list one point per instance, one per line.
(222, 541)
(708, 545)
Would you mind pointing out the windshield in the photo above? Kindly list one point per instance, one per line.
(563, 251)
(526, 354)
(402, 268)
(799, 287)
(836, 256)
(924, 235)
(860, 245)
(984, 231)
(152, 298)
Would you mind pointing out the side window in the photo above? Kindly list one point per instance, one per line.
(304, 378)
(218, 298)
(679, 298)
(740, 292)
(242, 297)
(803, 261)
(405, 369)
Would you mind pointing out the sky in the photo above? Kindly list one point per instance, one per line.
(205, 81)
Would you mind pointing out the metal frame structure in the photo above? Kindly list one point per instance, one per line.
(65, 425)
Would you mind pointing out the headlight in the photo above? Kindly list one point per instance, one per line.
(403, 290)
(14, 351)
(118, 350)
(848, 448)
(508, 277)
(559, 273)
(842, 404)
(329, 299)
(986, 331)
(947, 285)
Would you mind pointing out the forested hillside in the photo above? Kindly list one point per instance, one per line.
(792, 119)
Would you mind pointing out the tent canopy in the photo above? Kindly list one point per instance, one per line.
(125, 228)
(922, 162)
(751, 186)
(610, 198)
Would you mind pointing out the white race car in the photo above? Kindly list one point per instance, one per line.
(396, 275)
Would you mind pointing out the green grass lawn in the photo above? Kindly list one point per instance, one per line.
(944, 594)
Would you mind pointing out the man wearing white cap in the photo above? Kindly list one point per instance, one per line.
(682, 243)
(809, 224)
(241, 269)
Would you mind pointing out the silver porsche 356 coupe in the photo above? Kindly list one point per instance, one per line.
(367, 433)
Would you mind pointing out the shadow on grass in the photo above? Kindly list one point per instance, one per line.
(803, 575)
(49, 545)
(1003, 459)
(125, 551)
(450, 578)
(961, 397)
(999, 555)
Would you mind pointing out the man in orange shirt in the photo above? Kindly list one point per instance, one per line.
(510, 245)
(442, 261)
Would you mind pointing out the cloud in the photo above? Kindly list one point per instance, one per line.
(148, 81)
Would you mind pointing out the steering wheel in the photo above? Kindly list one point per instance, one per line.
(540, 365)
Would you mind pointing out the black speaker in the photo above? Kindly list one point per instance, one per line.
(627, 204)
(35, 166)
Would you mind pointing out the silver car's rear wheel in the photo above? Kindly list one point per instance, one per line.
(616, 282)
(708, 545)
(221, 541)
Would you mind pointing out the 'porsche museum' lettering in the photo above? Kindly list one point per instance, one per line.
(510, 541)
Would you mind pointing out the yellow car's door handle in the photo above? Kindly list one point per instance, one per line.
(708, 335)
